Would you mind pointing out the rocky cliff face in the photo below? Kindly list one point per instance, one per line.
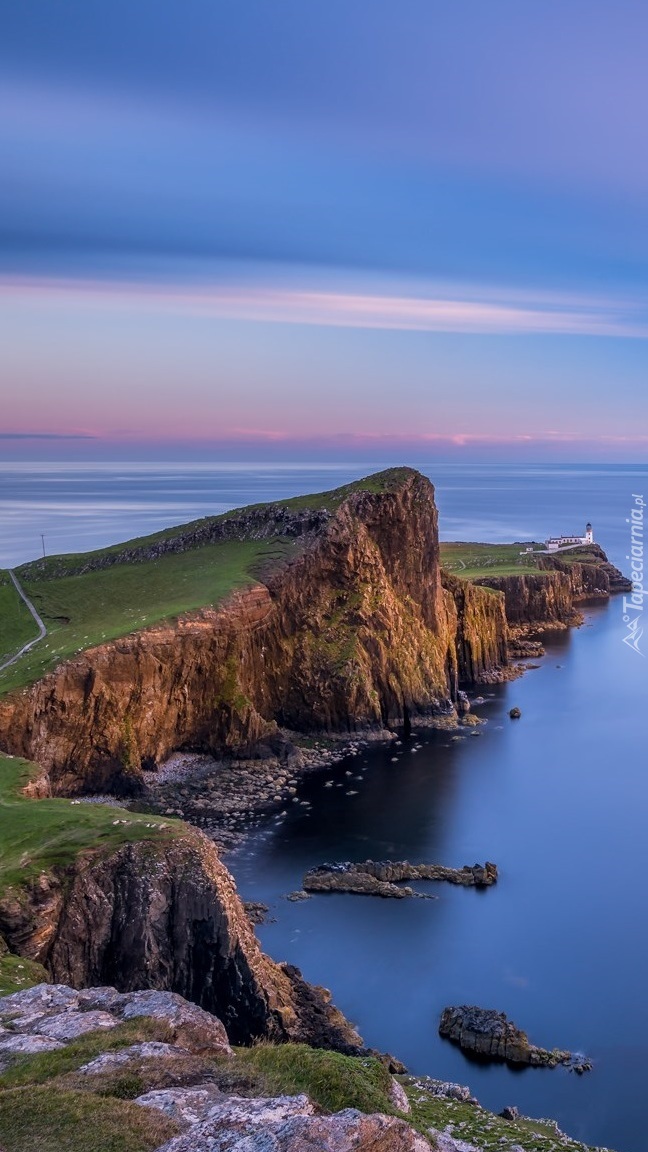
(481, 636)
(167, 916)
(536, 598)
(354, 634)
(550, 597)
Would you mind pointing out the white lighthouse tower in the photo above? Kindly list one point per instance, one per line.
(589, 534)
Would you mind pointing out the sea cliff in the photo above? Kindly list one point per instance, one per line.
(349, 625)
(352, 633)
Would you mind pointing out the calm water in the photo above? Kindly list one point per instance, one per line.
(559, 800)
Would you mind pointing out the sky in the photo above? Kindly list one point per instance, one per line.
(321, 230)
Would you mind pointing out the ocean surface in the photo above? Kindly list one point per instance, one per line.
(559, 800)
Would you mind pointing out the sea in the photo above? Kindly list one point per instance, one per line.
(558, 799)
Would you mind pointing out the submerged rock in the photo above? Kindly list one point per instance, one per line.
(380, 878)
(490, 1033)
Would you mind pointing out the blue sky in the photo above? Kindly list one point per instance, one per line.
(351, 223)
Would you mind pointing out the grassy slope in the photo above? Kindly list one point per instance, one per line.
(42, 1100)
(84, 610)
(17, 625)
(81, 610)
(37, 835)
(472, 560)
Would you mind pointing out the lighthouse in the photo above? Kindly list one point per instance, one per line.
(589, 534)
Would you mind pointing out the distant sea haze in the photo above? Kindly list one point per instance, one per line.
(78, 507)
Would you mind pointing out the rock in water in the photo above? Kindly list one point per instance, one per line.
(515, 713)
(380, 878)
(490, 1033)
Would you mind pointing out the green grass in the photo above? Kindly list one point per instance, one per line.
(16, 973)
(469, 561)
(38, 835)
(84, 610)
(330, 1079)
(17, 625)
(487, 1131)
(40, 1067)
(52, 1120)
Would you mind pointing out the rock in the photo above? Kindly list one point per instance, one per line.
(445, 1142)
(289, 1124)
(165, 914)
(490, 1033)
(70, 1025)
(371, 878)
(186, 1105)
(192, 1027)
(40, 1000)
(256, 912)
(148, 1050)
(16, 1044)
(398, 1096)
(510, 1113)
(515, 713)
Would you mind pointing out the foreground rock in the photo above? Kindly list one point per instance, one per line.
(490, 1033)
(60, 1015)
(381, 878)
(51, 1016)
(284, 1124)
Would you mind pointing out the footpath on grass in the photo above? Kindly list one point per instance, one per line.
(42, 630)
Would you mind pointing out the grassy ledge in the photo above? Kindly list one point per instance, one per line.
(41, 835)
(468, 561)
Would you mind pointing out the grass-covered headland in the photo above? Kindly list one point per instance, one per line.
(87, 599)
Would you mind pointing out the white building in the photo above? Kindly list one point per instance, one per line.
(556, 542)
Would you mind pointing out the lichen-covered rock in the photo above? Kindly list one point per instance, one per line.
(17, 1044)
(191, 1027)
(289, 1124)
(189, 1106)
(147, 1050)
(70, 1025)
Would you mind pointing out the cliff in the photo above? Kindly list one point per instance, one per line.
(550, 596)
(165, 914)
(352, 632)
(481, 638)
(338, 618)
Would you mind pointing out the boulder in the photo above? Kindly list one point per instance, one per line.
(289, 1124)
(192, 1028)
